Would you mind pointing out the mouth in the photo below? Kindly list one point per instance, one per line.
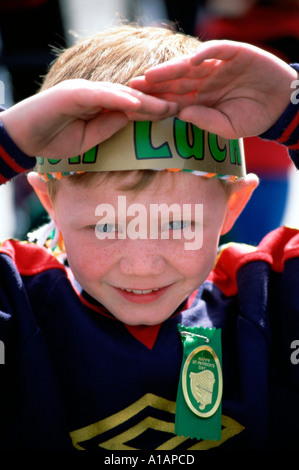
(142, 295)
(140, 292)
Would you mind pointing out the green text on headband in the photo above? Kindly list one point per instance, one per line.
(168, 144)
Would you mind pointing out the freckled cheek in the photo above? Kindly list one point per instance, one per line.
(197, 264)
(86, 261)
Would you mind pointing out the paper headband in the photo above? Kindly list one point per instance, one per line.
(169, 144)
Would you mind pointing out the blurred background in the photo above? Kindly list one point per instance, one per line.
(32, 30)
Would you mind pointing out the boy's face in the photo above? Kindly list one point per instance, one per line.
(161, 271)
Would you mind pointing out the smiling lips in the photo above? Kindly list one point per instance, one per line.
(142, 296)
(138, 292)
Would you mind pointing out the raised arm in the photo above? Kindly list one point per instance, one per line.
(75, 115)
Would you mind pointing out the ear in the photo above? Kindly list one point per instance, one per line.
(240, 195)
(41, 189)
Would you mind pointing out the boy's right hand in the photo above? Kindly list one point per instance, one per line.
(75, 115)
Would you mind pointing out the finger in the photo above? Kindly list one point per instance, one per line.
(79, 137)
(93, 97)
(149, 117)
(175, 86)
(150, 104)
(141, 84)
(181, 101)
(145, 116)
(102, 128)
(146, 104)
(215, 49)
(175, 68)
(116, 99)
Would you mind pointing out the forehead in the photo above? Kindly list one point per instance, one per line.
(142, 182)
(140, 186)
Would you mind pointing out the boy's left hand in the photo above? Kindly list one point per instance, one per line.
(228, 88)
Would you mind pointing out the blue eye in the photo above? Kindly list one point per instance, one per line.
(106, 228)
(178, 225)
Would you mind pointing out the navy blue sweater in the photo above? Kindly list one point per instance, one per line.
(74, 377)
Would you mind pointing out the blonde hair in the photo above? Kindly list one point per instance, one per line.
(119, 54)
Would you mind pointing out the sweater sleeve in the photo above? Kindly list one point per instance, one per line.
(12, 160)
(286, 130)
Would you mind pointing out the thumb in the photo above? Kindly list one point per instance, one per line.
(209, 119)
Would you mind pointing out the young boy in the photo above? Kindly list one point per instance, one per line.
(97, 348)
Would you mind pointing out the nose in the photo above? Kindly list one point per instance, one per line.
(142, 259)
